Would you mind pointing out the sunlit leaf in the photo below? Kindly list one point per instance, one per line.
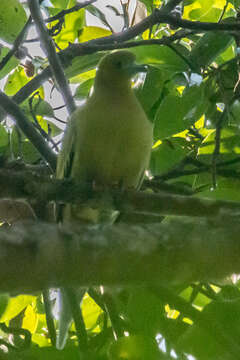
(93, 32)
(163, 57)
(91, 312)
(30, 319)
(12, 19)
(11, 64)
(16, 305)
(176, 113)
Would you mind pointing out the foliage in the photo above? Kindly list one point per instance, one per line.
(190, 93)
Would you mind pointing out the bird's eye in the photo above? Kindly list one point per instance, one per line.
(119, 64)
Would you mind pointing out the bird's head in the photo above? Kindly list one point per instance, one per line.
(116, 69)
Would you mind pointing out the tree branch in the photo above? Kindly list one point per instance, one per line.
(118, 40)
(171, 4)
(23, 185)
(38, 255)
(28, 129)
(51, 54)
(62, 13)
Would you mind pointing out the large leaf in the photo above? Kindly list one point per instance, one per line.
(93, 32)
(203, 10)
(82, 64)
(11, 64)
(168, 154)
(161, 56)
(99, 14)
(15, 81)
(151, 90)
(16, 305)
(83, 89)
(177, 113)
(73, 25)
(208, 48)
(12, 19)
(4, 138)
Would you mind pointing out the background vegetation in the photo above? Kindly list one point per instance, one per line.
(188, 303)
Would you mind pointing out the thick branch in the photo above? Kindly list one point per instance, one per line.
(17, 185)
(38, 255)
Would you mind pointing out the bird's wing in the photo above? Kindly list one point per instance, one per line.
(66, 156)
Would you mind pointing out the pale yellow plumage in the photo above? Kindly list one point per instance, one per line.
(108, 140)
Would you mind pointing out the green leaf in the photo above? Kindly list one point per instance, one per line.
(49, 126)
(150, 91)
(203, 10)
(83, 89)
(29, 153)
(93, 32)
(99, 14)
(4, 298)
(4, 138)
(12, 19)
(11, 64)
(162, 57)
(91, 312)
(16, 81)
(176, 113)
(168, 154)
(230, 142)
(227, 189)
(145, 311)
(82, 64)
(23, 148)
(149, 4)
(60, 4)
(208, 48)
(43, 108)
(15, 306)
(73, 25)
(135, 347)
(236, 3)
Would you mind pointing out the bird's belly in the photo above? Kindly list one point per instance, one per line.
(115, 150)
(120, 166)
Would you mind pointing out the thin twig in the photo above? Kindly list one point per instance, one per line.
(223, 11)
(62, 13)
(40, 129)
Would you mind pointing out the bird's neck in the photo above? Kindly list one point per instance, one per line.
(112, 86)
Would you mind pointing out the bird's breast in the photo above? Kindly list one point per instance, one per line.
(114, 142)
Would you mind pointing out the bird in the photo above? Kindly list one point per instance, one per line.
(108, 139)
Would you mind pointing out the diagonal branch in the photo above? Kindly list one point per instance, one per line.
(62, 13)
(28, 129)
(53, 58)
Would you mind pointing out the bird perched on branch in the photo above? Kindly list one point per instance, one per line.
(108, 140)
